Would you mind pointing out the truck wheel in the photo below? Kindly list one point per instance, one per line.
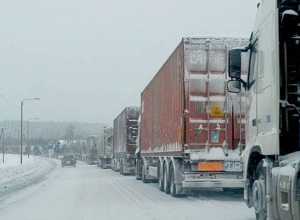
(115, 166)
(259, 192)
(112, 166)
(137, 171)
(166, 181)
(144, 179)
(172, 182)
(121, 167)
(160, 179)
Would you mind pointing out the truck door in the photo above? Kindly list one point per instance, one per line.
(251, 97)
(265, 71)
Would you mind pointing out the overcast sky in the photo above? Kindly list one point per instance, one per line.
(87, 60)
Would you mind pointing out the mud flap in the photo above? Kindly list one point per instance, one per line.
(179, 177)
(181, 190)
(298, 187)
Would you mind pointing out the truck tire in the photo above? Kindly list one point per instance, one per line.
(166, 180)
(102, 164)
(259, 192)
(138, 175)
(172, 181)
(144, 179)
(112, 165)
(115, 166)
(121, 167)
(160, 179)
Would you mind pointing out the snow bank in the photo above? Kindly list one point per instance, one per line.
(12, 167)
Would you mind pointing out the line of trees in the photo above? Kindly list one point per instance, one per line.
(43, 133)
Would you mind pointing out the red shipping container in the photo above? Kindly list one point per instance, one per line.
(186, 110)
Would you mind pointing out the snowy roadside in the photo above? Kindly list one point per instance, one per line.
(15, 176)
(11, 168)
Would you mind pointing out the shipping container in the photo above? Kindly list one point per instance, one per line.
(124, 140)
(191, 132)
(104, 147)
(89, 152)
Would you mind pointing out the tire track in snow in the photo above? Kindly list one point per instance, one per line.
(27, 178)
(148, 203)
(154, 204)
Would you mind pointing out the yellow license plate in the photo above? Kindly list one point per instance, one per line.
(210, 166)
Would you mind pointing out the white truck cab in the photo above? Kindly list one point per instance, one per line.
(272, 154)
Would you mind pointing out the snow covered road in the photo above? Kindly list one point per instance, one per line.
(89, 192)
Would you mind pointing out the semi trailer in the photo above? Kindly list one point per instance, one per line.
(191, 130)
(89, 153)
(124, 140)
(272, 155)
(104, 147)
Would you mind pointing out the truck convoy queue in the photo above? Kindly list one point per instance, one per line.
(222, 112)
(188, 131)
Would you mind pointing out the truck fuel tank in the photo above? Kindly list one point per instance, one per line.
(286, 188)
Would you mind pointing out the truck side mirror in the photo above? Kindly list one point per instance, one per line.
(235, 63)
(234, 86)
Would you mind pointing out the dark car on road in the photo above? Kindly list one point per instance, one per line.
(68, 160)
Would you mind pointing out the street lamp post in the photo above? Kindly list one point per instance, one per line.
(28, 131)
(22, 125)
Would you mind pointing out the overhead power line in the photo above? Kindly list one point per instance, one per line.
(9, 101)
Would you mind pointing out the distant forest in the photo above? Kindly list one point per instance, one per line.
(45, 132)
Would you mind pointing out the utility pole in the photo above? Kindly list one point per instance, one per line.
(2, 136)
(2, 132)
(19, 138)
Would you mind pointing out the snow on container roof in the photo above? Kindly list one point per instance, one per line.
(133, 112)
(201, 41)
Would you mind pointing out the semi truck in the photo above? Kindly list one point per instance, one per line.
(191, 130)
(272, 155)
(124, 140)
(104, 147)
(89, 153)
